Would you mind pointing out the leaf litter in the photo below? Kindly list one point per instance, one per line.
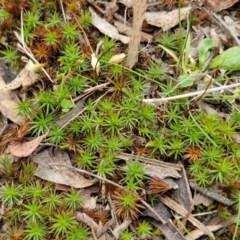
(55, 165)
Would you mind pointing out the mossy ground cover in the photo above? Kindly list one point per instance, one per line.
(177, 130)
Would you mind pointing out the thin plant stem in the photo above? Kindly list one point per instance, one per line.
(110, 182)
(159, 101)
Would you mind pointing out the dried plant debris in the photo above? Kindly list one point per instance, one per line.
(8, 103)
(24, 149)
(56, 167)
(141, 97)
(106, 28)
(166, 20)
(218, 5)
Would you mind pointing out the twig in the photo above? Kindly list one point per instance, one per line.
(159, 101)
(198, 233)
(88, 173)
(91, 89)
(84, 33)
(127, 156)
(62, 9)
(110, 182)
(104, 229)
(200, 214)
(182, 211)
(124, 225)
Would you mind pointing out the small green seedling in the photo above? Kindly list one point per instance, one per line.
(228, 60)
(66, 105)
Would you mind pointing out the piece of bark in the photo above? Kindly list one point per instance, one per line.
(212, 195)
(183, 194)
(169, 230)
(139, 9)
(160, 208)
(183, 212)
(6, 72)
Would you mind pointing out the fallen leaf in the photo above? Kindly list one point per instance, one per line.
(106, 28)
(233, 25)
(201, 199)
(127, 3)
(166, 20)
(8, 103)
(50, 168)
(26, 77)
(161, 172)
(24, 149)
(218, 5)
(89, 201)
(228, 60)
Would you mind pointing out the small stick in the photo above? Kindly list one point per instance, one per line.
(159, 101)
(200, 214)
(110, 182)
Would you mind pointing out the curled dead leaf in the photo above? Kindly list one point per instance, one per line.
(218, 5)
(24, 149)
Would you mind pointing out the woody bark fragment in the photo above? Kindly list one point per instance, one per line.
(139, 9)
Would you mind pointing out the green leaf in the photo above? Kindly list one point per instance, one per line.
(204, 50)
(186, 80)
(66, 104)
(228, 60)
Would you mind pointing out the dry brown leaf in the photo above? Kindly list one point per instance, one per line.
(106, 28)
(51, 168)
(88, 201)
(233, 25)
(8, 100)
(8, 103)
(24, 149)
(26, 77)
(166, 20)
(127, 3)
(161, 172)
(218, 5)
(201, 199)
